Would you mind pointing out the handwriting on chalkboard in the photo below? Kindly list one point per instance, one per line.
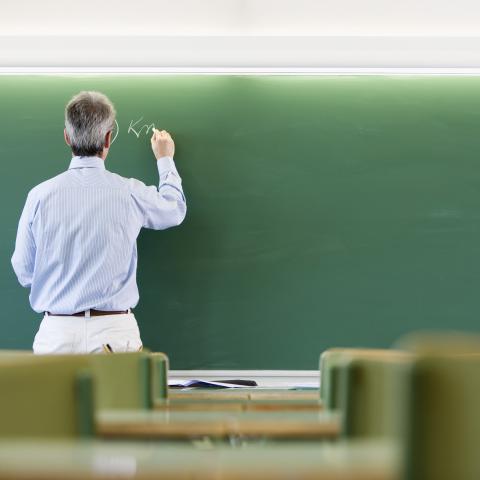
(136, 127)
(117, 129)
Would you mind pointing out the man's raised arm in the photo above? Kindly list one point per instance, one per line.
(166, 206)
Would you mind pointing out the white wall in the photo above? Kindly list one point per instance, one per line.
(241, 17)
(240, 33)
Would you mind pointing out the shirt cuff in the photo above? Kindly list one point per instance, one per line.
(166, 165)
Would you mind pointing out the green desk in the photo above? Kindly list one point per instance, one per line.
(221, 424)
(209, 393)
(251, 399)
(141, 461)
(266, 405)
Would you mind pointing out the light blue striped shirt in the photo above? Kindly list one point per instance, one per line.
(76, 243)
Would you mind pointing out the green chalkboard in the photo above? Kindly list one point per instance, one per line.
(321, 210)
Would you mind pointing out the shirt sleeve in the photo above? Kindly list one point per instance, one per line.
(23, 259)
(165, 206)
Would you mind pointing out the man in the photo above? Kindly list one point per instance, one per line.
(76, 241)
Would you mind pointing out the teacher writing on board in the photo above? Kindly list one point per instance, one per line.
(76, 242)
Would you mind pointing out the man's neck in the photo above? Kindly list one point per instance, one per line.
(103, 155)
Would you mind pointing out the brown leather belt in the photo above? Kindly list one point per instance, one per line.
(93, 313)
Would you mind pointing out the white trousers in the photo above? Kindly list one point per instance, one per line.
(60, 334)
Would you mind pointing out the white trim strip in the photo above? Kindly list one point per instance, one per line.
(78, 71)
(241, 54)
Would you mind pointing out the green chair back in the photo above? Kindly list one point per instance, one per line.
(444, 417)
(331, 375)
(363, 384)
(374, 396)
(444, 426)
(122, 380)
(47, 397)
(159, 367)
(130, 381)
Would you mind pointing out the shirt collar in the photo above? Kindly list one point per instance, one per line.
(87, 162)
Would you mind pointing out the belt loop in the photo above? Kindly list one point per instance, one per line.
(87, 313)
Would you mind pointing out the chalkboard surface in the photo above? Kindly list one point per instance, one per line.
(322, 211)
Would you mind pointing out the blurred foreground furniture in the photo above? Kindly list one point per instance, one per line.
(126, 385)
(96, 460)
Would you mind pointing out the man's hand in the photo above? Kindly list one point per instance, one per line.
(162, 144)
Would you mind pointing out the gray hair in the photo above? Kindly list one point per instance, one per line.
(88, 118)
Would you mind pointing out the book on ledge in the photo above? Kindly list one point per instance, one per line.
(199, 383)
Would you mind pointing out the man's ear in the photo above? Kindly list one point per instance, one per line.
(108, 139)
(65, 136)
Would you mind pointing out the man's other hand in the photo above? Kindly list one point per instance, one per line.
(162, 144)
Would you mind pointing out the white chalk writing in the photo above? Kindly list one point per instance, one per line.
(136, 128)
(117, 129)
